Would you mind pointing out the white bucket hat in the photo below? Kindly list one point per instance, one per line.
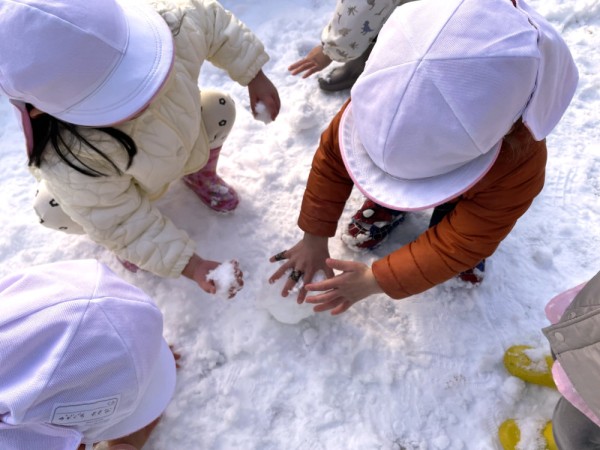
(92, 63)
(82, 359)
(444, 83)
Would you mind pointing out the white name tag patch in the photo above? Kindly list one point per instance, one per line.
(97, 410)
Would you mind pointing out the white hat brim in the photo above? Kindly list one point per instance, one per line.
(155, 399)
(404, 194)
(137, 78)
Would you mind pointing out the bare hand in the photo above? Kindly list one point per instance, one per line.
(260, 89)
(197, 269)
(306, 257)
(137, 439)
(342, 291)
(314, 62)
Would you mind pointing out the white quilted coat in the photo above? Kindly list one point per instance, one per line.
(117, 210)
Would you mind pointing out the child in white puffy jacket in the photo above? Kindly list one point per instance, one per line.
(109, 102)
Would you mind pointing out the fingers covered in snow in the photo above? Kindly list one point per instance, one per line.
(224, 279)
(227, 278)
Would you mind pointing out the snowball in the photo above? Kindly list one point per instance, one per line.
(286, 309)
(225, 277)
(262, 113)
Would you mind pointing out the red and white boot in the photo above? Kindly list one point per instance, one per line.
(210, 187)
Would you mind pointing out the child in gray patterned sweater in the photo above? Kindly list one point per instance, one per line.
(347, 38)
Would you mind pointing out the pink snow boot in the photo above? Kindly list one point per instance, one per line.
(210, 187)
(128, 265)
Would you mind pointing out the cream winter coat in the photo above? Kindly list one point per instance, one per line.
(116, 210)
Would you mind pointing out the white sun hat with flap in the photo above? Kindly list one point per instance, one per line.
(446, 80)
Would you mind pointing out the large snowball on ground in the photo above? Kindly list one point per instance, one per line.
(225, 276)
(286, 309)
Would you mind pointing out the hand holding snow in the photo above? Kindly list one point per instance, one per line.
(228, 279)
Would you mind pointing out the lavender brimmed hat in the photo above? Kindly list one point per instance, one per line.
(444, 83)
(83, 357)
(92, 63)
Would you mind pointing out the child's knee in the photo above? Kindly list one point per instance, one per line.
(218, 115)
(51, 214)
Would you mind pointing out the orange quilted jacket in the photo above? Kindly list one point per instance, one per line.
(483, 216)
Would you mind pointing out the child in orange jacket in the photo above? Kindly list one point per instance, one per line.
(451, 110)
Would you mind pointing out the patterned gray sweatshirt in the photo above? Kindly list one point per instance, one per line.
(354, 25)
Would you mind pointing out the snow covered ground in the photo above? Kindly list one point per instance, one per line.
(421, 373)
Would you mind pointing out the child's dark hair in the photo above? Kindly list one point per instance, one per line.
(62, 135)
